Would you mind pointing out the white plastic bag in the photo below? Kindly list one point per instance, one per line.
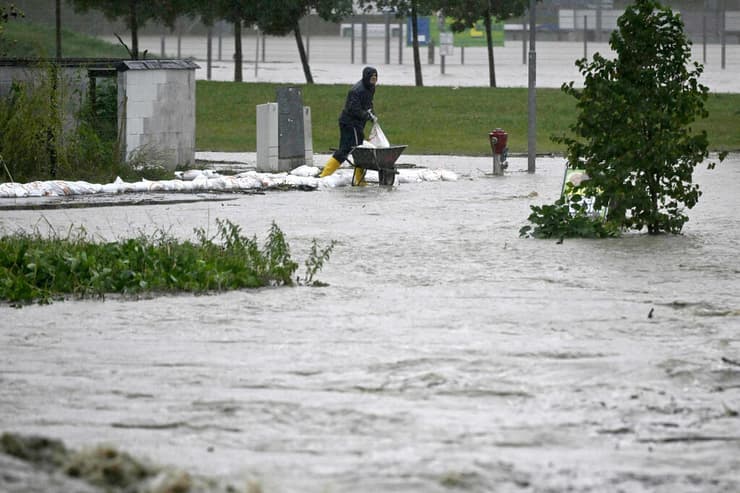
(377, 137)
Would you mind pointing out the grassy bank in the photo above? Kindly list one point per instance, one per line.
(430, 120)
(25, 39)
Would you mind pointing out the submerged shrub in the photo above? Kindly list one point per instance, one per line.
(34, 268)
(633, 135)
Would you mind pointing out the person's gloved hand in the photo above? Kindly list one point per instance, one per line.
(372, 116)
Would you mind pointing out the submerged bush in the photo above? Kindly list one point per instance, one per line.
(633, 136)
(36, 268)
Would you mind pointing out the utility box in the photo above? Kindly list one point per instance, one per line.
(156, 111)
(284, 138)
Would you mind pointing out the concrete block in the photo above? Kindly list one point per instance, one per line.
(135, 125)
(139, 109)
(267, 137)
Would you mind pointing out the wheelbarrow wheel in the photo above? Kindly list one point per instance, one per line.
(386, 176)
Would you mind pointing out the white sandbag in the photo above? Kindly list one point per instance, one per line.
(377, 137)
(305, 170)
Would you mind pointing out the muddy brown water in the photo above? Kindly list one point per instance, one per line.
(446, 354)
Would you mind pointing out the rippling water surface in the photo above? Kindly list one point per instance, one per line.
(446, 354)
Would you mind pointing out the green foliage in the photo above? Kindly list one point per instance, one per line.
(30, 130)
(567, 219)
(280, 17)
(633, 134)
(47, 132)
(315, 262)
(36, 268)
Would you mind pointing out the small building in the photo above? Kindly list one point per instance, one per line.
(156, 111)
(155, 101)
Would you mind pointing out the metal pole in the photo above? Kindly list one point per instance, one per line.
(364, 42)
(352, 42)
(722, 34)
(585, 36)
(532, 99)
(524, 41)
(220, 39)
(308, 38)
(387, 38)
(264, 43)
(462, 55)
(209, 52)
(400, 42)
(442, 63)
(257, 52)
(704, 37)
(161, 46)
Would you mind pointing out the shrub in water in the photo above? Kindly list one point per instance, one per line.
(34, 268)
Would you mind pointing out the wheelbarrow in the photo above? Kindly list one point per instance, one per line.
(380, 159)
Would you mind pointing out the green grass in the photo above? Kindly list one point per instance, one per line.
(430, 120)
(25, 40)
(42, 269)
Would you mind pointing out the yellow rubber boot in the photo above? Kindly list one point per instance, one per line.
(358, 179)
(330, 167)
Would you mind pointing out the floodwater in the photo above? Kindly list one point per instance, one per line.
(446, 354)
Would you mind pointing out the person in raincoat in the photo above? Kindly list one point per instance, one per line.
(358, 109)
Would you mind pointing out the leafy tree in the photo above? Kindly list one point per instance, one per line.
(633, 134)
(411, 9)
(467, 12)
(136, 14)
(280, 17)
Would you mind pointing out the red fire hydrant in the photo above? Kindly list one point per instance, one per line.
(499, 138)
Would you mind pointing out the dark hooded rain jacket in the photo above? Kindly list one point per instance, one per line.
(359, 101)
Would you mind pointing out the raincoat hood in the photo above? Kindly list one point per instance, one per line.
(367, 73)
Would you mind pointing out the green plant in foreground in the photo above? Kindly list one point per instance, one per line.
(34, 268)
(315, 262)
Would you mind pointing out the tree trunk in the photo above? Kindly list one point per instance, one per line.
(489, 42)
(302, 53)
(238, 51)
(134, 25)
(415, 44)
(58, 28)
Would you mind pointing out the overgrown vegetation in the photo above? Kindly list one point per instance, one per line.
(633, 136)
(50, 130)
(34, 268)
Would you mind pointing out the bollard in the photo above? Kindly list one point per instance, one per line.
(498, 139)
